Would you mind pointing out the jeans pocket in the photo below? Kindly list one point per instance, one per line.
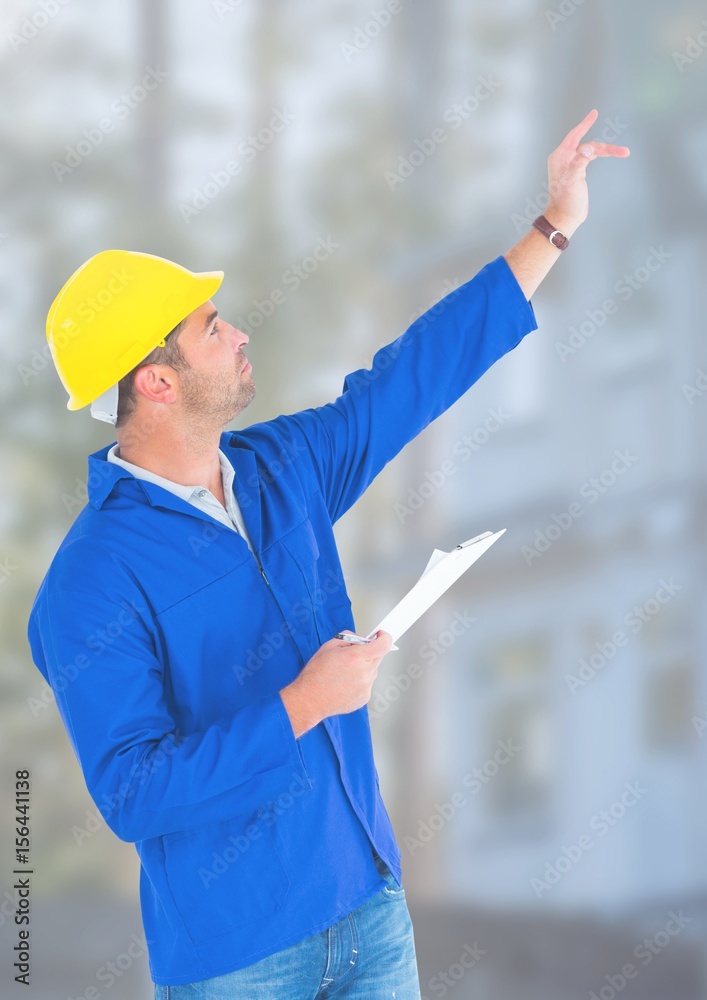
(392, 888)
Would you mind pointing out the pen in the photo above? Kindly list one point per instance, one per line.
(351, 637)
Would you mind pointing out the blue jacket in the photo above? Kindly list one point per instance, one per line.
(166, 644)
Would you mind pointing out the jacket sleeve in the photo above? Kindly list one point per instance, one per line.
(411, 382)
(100, 657)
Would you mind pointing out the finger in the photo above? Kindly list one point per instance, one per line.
(381, 642)
(592, 150)
(573, 138)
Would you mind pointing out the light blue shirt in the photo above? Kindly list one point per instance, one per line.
(199, 496)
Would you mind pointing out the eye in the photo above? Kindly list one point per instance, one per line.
(214, 328)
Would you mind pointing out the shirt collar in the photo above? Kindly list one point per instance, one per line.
(151, 477)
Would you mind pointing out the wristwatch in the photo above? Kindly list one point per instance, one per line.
(554, 235)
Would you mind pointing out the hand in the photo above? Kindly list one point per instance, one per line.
(338, 679)
(567, 173)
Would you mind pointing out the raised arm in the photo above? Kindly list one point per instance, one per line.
(418, 376)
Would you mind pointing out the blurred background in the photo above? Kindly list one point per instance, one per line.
(540, 733)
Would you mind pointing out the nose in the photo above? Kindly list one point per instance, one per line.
(240, 337)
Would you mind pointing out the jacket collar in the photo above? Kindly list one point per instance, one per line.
(104, 477)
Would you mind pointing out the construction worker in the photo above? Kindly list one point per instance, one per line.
(186, 623)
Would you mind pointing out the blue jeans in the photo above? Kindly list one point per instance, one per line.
(367, 955)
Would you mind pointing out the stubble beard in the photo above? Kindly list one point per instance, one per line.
(215, 398)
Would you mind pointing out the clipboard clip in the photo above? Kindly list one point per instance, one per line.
(472, 541)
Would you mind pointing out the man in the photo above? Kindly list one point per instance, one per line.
(187, 621)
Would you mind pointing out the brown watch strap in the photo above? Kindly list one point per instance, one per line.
(557, 238)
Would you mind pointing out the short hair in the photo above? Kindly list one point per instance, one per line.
(170, 355)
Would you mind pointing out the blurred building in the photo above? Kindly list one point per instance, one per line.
(554, 752)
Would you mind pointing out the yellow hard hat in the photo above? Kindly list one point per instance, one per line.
(114, 310)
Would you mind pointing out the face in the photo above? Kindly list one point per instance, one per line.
(218, 384)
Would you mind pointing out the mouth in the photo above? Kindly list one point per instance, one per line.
(246, 367)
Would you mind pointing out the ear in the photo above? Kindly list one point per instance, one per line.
(157, 382)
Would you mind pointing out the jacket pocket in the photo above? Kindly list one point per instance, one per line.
(226, 875)
(300, 545)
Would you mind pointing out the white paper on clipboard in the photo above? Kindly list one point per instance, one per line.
(442, 570)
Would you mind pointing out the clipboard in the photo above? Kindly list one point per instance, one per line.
(442, 570)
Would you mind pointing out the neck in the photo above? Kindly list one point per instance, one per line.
(188, 456)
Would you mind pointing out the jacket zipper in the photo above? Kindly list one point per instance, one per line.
(262, 571)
